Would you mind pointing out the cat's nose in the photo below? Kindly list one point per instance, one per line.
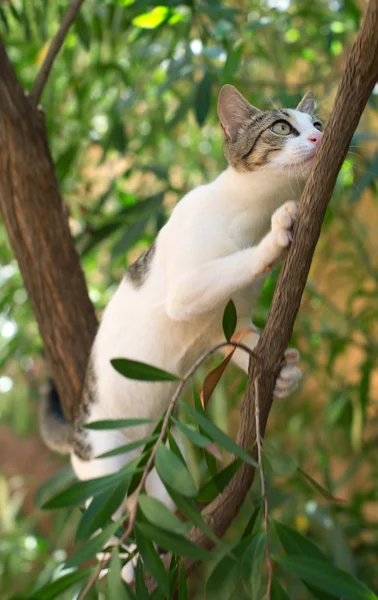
(315, 137)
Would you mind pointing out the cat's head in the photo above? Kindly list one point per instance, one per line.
(280, 139)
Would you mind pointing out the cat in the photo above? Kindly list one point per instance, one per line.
(219, 244)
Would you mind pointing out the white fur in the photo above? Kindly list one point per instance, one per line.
(220, 241)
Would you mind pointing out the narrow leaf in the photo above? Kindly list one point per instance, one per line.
(193, 436)
(151, 560)
(101, 510)
(128, 447)
(325, 577)
(322, 490)
(173, 472)
(158, 514)
(229, 320)
(223, 580)
(191, 511)
(173, 542)
(55, 484)
(203, 99)
(218, 436)
(141, 371)
(117, 589)
(278, 593)
(92, 546)
(212, 488)
(118, 423)
(50, 591)
(182, 588)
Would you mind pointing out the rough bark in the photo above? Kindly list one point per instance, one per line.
(33, 214)
(360, 76)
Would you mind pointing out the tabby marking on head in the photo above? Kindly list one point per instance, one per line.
(274, 138)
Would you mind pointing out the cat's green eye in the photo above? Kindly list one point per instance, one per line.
(281, 128)
(318, 125)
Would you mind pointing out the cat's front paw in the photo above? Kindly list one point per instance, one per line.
(274, 246)
(289, 375)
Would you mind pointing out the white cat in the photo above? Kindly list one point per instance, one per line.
(219, 243)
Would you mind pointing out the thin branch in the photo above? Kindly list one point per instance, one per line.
(150, 463)
(54, 47)
(263, 489)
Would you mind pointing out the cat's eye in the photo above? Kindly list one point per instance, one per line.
(318, 125)
(281, 128)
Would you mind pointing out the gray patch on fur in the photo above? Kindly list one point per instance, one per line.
(138, 271)
(81, 445)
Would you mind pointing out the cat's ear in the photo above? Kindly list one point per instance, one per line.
(307, 104)
(233, 110)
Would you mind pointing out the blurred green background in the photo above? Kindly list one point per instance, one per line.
(131, 114)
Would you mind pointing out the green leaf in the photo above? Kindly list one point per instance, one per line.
(93, 546)
(251, 523)
(253, 564)
(101, 510)
(117, 423)
(282, 463)
(151, 560)
(278, 593)
(56, 483)
(50, 591)
(152, 19)
(217, 484)
(193, 436)
(223, 579)
(82, 490)
(191, 511)
(173, 542)
(295, 544)
(173, 445)
(324, 576)
(203, 99)
(182, 588)
(158, 514)
(116, 588)
(129, 237)
(128, 447)
(141, 371)
(173, 472)
(83, 31)
(229, 320)
(217, 435)
(140, 586)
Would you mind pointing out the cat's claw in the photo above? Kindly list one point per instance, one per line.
(289, 376)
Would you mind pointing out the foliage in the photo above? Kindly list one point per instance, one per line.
(130, 109)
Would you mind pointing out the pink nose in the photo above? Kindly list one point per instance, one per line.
(315, 137)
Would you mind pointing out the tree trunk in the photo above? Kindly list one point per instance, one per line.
(33, 214)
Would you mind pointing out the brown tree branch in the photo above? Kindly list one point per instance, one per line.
(33, 214)
(54, 47)
(360, 76)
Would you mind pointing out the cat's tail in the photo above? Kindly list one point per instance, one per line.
(55, 431)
